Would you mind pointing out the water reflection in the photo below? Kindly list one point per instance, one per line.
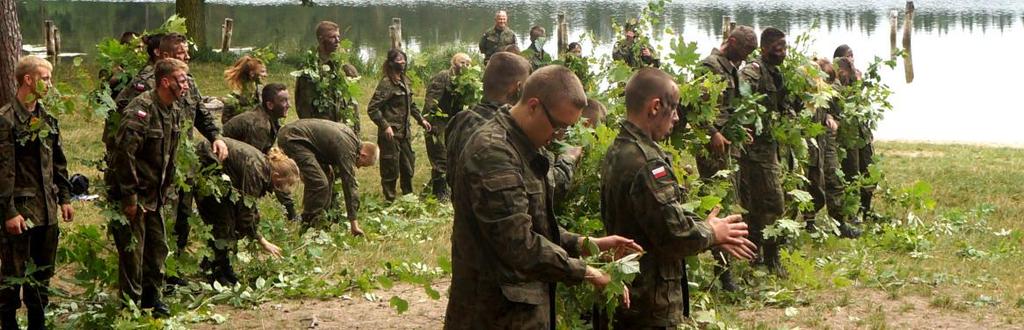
(945, 33)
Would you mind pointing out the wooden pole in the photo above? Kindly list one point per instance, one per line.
(726, 20)
(564, 33)
(395, 31)
(48, 34)
(908, 27)
(894, 21)
(225, 41)
(56, 42)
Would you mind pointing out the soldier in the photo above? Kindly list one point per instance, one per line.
(253, 174)
(390, 109)
(502, 81)
(760, 189)
(312, 101)
(323, 150)
(575, 48)
(497, 38)
(535, 53)
(826, 187)
(245, 78)
(34, 188)
(142, 163)
(507, 249)
(634, 54)
(641, 199)
(259, 128)
(859, 151)
(442, 103)
(723, 62)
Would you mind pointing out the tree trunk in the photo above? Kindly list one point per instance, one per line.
(194, 12)
(10, 48)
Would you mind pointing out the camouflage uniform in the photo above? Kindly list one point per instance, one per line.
(494, 41)
(760, 186)
(629, 53)
(825, 187)
(240, 102)
(641, 199)
(465, 123)
(201, 118)
(440, 105)
(858, 157)
(322, 149)
(391, 106)
(507, 249)
(259, 128)
(142, 163)
(33, 183)
(718, 64)
(230, 220)
(537, 56)
(346, 110)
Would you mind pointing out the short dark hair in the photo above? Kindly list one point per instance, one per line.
(271, 90)
(503, 71)
(325, 26)
(536, 32)
(165, 67)
(573, 45)
(171, 40)
(127, 37)
(152, 42)
(771, 35)
(645, 84)
(553, 82)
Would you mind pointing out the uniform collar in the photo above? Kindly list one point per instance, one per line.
(24, 115)
(517, 137)
(722, 60)
(646, 143)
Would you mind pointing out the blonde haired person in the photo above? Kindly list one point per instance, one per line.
(245, 79)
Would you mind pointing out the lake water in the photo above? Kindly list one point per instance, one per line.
(964, 52)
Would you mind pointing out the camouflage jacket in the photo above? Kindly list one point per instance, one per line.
(464, 124)
(309, 103)
(507, 248)
(333, 144)
(33, 168)
(537, 56)
(766, 79)
(718, 64)
(249, 171)
(258, 128)
(239, 102)
(391, 106)
(641, 199)
(629, 53)
(441, 102)
(191, 104)
(142, 155)
(493, 41)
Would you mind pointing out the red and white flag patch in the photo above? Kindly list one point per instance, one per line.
(141, 114)
(659, 172)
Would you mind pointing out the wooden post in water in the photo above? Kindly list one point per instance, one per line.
(56, 42)
(48, 34)
(563, 35)
(894, 21)
(726, 21)
(225, 37)
(908, 27)
(395, 32)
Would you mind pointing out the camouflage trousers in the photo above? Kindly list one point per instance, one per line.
(438, 156)
(826, 187)
(857, 162)
(141, 252)
(317, 181)
(760, 188)
(397, 162)
(38, 245)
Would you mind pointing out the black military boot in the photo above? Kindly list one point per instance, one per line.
(290, 212)
(9, 320)
(150, 301)
(725, 279)
(36, 319)
(440, 187)
(847, 230)
(773, 260)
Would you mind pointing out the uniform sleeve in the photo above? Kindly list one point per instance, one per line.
(484, 45)
(617, 52)
(126, 95)
(60, 168)
(415, 110)
(128, 138)
(669, 226)
(349, 187)
(204, 120)
(500, 204)
(723, 108)
(380, 96)
(7, 169)
(438, 85)
(561, 175)
(248, 220)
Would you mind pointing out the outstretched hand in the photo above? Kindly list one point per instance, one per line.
(729, 230)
